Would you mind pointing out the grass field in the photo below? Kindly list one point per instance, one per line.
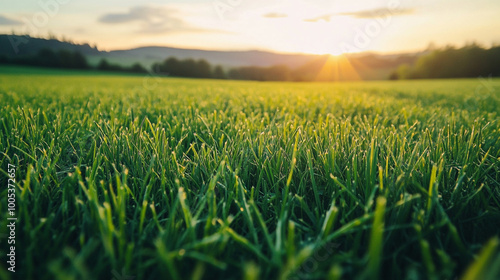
(121, 177)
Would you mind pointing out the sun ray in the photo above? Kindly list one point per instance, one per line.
(337, 68)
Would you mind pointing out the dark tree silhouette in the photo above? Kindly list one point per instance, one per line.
(450, 62)
(219, 72)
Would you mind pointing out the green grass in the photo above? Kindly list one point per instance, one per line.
(201, 179)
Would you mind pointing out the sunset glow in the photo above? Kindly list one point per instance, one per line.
(296, 26)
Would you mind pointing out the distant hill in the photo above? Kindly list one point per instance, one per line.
(149, 55)
(368, 65)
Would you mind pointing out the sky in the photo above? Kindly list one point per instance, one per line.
(290, 26)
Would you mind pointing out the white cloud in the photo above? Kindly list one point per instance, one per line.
(152, 20)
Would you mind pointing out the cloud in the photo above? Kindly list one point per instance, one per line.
(7, 21)
(152, 20)
(365, 14)
(374, 13)
(275, 15)
(136, 14)
(326, 18)
(80, 30)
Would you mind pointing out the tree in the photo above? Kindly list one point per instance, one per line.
(219, 72)
(184, 68)
(65, 59)
(4, 58)
(137, 68)
(171, 66)
(46, 58)
(187, 68)
(79, 61)
(103, 65)
(202, 69)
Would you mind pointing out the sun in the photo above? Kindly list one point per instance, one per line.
(324, 51)
(336, 52)
(308, 31)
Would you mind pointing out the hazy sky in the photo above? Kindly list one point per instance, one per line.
(310, 26)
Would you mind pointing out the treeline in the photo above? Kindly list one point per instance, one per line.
(49, 58)
(104, 65)
(450, 62)
(65, 59)
(190, 68)
(273, 73)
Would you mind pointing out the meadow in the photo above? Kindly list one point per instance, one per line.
(137, 177)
